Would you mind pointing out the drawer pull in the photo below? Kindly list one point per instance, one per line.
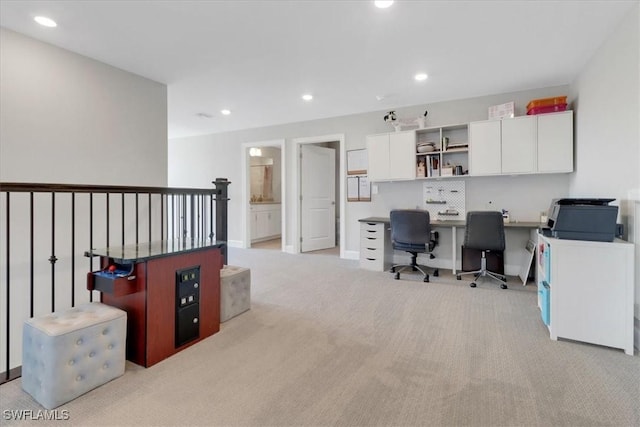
(371, 223)
(372, 249)
(371, 259)
(371, 238)
(372, 231)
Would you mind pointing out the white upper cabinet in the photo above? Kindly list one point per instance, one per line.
(391, 156)
(519, 145)
(555, 142)
(485, 153)
(378, 156)
(528, 144)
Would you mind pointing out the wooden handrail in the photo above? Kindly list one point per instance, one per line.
(77, 188)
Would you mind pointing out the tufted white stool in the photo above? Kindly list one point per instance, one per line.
(235, 291)
(67, 353)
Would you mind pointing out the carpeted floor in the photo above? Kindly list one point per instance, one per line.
(327, 343)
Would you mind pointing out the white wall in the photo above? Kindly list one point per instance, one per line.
(607, 96)
(66, 118)
(196, 161)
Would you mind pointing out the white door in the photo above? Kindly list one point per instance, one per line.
(318, 201)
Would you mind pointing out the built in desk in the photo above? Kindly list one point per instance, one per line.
(383, 224)
(169, 289)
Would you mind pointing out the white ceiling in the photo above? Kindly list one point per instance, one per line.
(257, 58)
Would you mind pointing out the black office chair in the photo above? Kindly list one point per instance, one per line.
(411, 232)
(484, 232)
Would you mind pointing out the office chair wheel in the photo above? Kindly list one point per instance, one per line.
(393, 270)
(472, 284)
(426, 278)
(414, 269)
(397, 276)
(431, 256)
(436, 273)
(503, 286)
(458, 277)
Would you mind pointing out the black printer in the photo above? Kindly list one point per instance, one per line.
(582, 219)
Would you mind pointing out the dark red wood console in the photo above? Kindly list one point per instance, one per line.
(170, 291)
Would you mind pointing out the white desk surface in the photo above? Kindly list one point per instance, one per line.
(453, 224)
(460, 223)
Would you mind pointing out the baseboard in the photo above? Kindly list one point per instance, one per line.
(234, 243)
(351, 255)
(289, 249)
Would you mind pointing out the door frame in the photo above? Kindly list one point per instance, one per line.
(297, 142)
(246, 189)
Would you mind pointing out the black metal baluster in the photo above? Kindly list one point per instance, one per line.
(137, 218)
(73, 249)
(150, 215)
(8, 292)
(122, 201)
(31, 255)
(161, 217)
(173, 214)
(184, 217)
(52, 258)
(192, 216)
(211, 234)
(91, 238)
(108, 209)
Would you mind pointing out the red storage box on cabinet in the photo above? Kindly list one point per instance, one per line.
(547, 109)
(547, 102)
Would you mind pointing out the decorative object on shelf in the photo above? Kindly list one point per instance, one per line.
(501, 111)
(420, 170)
(422, 121)
(398, 124)
(390, 117)
(426, 147)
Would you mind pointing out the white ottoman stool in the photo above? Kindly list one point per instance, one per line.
(235, 291)
(67, 353)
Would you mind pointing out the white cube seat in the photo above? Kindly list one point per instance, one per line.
(235, 291)
(67, 353)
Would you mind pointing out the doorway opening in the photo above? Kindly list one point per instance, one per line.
(319, 191)
(264, 195)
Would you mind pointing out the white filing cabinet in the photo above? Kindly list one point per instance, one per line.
(587, 290)
(376, 252)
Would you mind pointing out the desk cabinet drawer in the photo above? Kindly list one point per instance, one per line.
(372, 243)
(376, 264)
(372, 230)
(371, 253)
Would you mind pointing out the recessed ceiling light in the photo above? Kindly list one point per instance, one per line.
(420, 77)
(307, 97)
(383, 4)
(225, 112)
(47, 22)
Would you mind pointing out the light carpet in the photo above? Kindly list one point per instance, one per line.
(326, 343)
